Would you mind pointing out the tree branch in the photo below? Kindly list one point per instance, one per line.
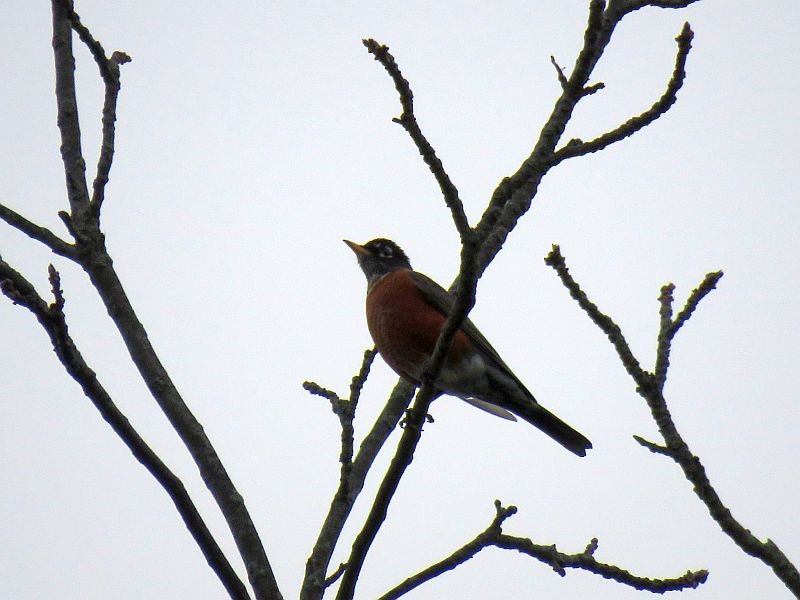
(110, 72)
(548, 554)
(93, 256)
(650, 387)
(513, 196)
(52, 319)
(623, 7)
(37, 232)
(68, 125)
(350, 485)
(555, 260)
(409, 122)
(577, 148)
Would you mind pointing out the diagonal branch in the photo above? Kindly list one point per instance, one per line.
(663, 104)
(650, 387)
(409, 122)
(604, 322)
(52, 319)
(37, 232)
(548, 554)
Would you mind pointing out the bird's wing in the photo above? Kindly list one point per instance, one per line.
(442, 300)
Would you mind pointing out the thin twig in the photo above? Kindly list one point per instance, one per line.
(555, 260)
(109, 71)
(409, 122)
(349, 489)
(52, 319)
(623, 7)
(37, 232)
(334, 577)
(562, 79)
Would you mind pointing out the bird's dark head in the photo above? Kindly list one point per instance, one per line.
(378, 257)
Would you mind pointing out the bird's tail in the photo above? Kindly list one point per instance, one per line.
(550, 424)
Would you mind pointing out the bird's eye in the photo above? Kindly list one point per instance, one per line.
(385, 252)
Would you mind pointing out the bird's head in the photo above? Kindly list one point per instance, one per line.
(378, 257)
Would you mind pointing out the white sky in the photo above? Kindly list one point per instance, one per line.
(253, 137)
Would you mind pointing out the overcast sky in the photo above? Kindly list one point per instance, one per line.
(253, 137)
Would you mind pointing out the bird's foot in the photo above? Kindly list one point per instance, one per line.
(410, 421)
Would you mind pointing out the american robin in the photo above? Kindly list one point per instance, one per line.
(405, 314)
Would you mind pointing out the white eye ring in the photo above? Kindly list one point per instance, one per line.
(385, 252)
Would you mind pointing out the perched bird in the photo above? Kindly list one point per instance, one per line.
(405, 314)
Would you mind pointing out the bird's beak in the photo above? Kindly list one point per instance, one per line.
(357, 248)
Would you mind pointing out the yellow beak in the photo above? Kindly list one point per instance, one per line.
(357, 248)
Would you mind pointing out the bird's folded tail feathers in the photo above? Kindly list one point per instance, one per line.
(554, 427)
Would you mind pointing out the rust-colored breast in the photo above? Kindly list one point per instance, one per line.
(405, 326)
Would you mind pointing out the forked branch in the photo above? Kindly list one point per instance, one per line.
(493, 536)
(651, 385)
(51, 318)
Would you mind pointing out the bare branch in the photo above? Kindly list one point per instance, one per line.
(650, 387)
(701, 291)
(664, 336)
(51, 317)
(654, 448)
(83, 223)
(638, 123)
(334, 577)
(548, 554)
(555, 260)
(350, 486)
(37, 232)
(109, 71)
(409, 122)
(562, 79)
(346, 409)
(71, 152)
(623, 7)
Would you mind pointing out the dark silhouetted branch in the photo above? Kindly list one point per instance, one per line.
(109, 71)
(67, 105)
(513, 196)
(638, 123)
(610, 328)
(37, 232)
(548, 554)
(619, 8)
(352, 474)
(83, 222)
(52, 319)
(651, 385)
(409, 122)
(334, 577)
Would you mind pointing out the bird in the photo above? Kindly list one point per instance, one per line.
(406, 311)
